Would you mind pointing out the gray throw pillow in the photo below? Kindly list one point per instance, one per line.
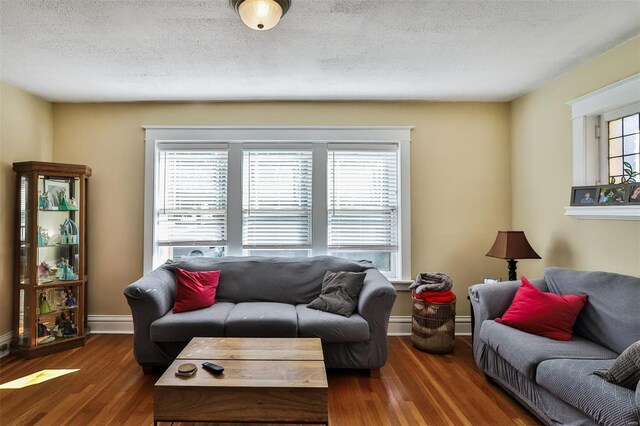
(625, 371)
(339, 293)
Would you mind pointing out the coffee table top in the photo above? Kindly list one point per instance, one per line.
(253, 348)
(251, 363)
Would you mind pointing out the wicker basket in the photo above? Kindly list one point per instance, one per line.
(433, 326)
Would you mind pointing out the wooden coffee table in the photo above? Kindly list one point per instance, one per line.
(274, 380)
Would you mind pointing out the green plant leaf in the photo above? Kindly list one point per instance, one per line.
(623, 180)
(612, 179)
(626, 164)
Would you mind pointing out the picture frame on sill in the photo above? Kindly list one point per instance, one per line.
(612, 195)
(634, 193)
(584, 195)
(54, 189)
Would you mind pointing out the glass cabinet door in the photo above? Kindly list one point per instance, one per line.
(24, 261)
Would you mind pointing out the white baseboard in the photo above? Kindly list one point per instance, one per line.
(110, 324)
(6, 339)
(123, 324)
(401, 325)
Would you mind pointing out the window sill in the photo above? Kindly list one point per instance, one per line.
(604, 212)
(401, 285)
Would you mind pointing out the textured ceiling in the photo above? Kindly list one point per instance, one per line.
(118, 50)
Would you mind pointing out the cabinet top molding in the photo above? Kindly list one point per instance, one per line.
(51, 168)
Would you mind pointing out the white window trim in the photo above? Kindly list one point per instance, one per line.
(319, 136)
(585, 116)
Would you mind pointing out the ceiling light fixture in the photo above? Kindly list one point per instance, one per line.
(261, 15)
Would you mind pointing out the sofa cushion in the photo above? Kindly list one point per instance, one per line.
(525, 351)
(339, 293)
(195, 290)
(573, 381)
(610, 316)
(331, 327)
(542, 313)
(182, 327)
(262, 319)
(625, 371)
(269, 279)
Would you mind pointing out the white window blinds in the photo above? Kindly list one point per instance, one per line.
(192, 198)
(362, 198)
(276, 207)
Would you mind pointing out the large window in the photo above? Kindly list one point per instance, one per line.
(296, 192)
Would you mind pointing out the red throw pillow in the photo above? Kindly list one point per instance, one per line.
(196, 290)
(545, 314)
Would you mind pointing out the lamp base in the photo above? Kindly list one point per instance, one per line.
(512, 269)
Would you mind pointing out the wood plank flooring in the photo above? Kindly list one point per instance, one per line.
(415, 388)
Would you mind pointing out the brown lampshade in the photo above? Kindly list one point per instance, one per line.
(512, 245)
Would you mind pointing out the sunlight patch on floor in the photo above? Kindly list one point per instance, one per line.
(35, 378)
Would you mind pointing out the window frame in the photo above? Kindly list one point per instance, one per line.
(237, 137)
(587, 112)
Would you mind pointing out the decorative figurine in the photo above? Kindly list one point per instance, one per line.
(43, 237)
(66, 326)
(60, 271)
(43, 272)
(72, 204)
(65, 271)
(45, 307)
(43, 201)
(62, 201)
(42, 330)
(69, 299)
(69, 232)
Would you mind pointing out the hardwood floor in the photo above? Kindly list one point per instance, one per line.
(414, 388)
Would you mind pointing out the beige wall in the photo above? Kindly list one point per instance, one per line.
(541, 170)
(459, 177)
(26, 133)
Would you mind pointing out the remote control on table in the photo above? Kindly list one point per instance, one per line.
(212, 368)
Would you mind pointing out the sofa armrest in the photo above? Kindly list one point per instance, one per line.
(374, 305)
(490, 301)
(149, 298)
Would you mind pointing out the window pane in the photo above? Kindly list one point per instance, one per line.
(615, 128)
(631, 160)
(191, 198)
(615, 166)
(615, 147)
(362, 199)
(177, 253)
(631, 145)
(380, 259)
(276, 211)
(630, 124)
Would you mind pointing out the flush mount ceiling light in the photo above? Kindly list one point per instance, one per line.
(261, 15)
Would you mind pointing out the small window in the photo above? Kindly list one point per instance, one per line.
(623, 158)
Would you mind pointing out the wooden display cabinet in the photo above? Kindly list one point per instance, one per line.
(50, 275)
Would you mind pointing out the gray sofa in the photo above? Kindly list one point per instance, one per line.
(262, 297)
(554, 379)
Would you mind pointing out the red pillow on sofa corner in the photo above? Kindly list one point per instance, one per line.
(196, 290)
(541, 313)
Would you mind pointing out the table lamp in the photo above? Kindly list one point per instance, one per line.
(512, 245)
